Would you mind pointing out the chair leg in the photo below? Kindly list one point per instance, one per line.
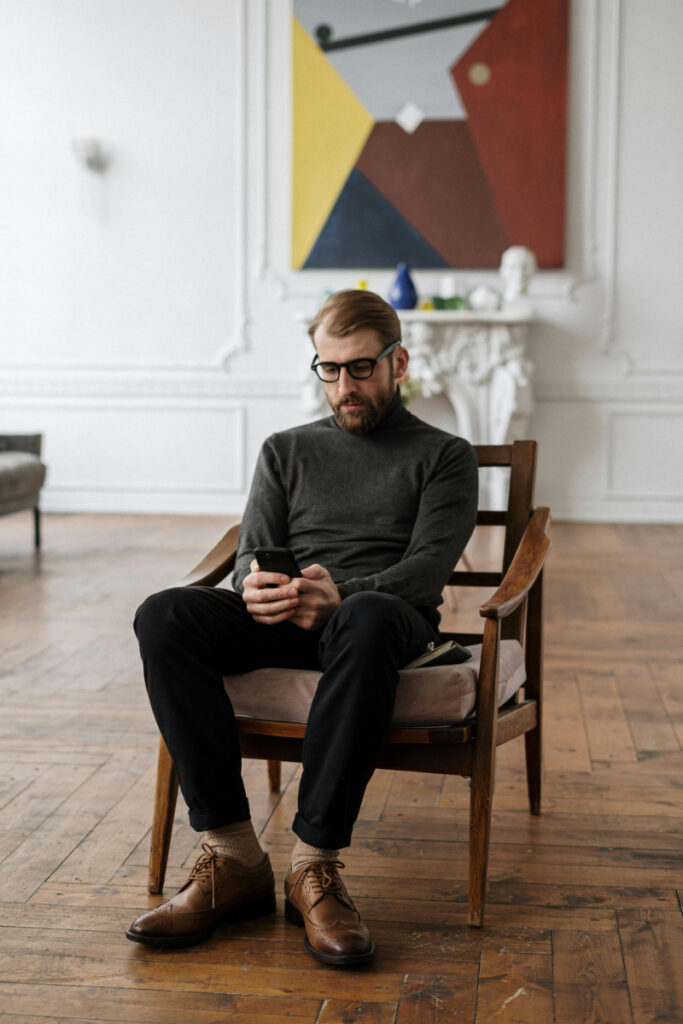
(483, 771)
(481, 800)
(534, 690)
(162, 824)
(36, 527)
(274, 776)
(532, 749)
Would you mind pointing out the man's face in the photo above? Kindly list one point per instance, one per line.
(359, 405)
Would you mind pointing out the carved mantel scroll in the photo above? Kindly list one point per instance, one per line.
(478, 362)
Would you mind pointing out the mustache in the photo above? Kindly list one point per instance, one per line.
(353, 397)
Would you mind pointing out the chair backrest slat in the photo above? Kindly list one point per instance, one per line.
(494, 454)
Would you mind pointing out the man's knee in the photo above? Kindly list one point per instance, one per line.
(164, 615)
(370, 615)
(154, 614)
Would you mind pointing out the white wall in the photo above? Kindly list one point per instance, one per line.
(148, 321)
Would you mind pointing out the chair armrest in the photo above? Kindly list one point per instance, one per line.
(215, 566)
(524, 568)
(29, 443)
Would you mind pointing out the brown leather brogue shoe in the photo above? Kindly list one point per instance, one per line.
(316, 899)
(219, 889)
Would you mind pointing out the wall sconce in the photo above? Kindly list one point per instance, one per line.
(91, 154)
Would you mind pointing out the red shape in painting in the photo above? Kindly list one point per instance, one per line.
(513, 83)
(434, 178)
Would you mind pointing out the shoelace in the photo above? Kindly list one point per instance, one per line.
(205, 865)
(325, 881)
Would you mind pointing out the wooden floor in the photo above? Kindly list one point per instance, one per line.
(584, 916)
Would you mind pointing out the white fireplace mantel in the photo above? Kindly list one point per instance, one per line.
(477, 360)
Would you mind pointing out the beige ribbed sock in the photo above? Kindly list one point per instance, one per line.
(237, 840)
(304, 854)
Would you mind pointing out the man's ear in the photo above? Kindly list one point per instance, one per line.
(401, 364)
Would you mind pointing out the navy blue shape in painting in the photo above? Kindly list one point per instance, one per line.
(365, 230)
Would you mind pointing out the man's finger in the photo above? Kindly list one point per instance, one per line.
(315, 572)
(259, 607)
(272, 620)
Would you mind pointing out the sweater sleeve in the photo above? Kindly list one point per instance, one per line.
(264, 523)
(445, 521)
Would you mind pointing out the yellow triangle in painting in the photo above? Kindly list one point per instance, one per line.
(330, 128)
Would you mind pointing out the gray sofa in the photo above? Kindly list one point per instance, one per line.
(22, 474)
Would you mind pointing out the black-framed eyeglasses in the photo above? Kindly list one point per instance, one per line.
(359, 369)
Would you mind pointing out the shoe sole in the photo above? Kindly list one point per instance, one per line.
(294, 916)
(243, 912)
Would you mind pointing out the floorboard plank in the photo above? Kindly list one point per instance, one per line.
(590, 980)
(652, 943)
(438, 1000)
(515, 988)
(336, 1011)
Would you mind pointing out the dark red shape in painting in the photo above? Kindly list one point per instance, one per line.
(434, 178)
(518, 119)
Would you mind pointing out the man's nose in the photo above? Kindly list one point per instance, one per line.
(346, 382)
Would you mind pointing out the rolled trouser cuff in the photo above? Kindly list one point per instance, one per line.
(219, 817)
(320, 837)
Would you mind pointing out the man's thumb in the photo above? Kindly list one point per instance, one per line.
(314, 572)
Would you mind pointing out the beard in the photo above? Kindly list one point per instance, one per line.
(371, 412)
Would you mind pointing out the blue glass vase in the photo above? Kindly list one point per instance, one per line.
(402, 294)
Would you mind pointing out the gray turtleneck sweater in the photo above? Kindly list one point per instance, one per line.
(388, 511)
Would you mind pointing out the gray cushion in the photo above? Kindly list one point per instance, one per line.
(21, 477)
(431, 696)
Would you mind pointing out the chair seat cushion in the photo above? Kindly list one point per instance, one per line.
(21, 476)
(435, 695)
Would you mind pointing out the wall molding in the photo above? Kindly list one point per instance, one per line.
(175, 501)
(612, 128)
(618, 511)
(174, 389)
(239, 342)
(619, 389)
(114, 386)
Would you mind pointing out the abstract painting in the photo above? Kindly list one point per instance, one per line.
(428, 131)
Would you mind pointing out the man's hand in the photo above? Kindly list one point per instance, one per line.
(270, 597)
(307, 602)
(318, 598)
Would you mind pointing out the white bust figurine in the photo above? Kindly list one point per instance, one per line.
(517, 267)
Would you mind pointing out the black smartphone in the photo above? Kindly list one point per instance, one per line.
(277, 560)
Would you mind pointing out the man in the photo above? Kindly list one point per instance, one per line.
(378, 507)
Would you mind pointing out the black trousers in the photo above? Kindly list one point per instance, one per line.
(190, 637)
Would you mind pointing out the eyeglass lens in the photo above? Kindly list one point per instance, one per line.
(359, 369)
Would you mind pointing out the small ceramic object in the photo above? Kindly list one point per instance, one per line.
(484, 298)
(402, 294)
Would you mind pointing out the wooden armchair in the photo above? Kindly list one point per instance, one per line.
(514, 613)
